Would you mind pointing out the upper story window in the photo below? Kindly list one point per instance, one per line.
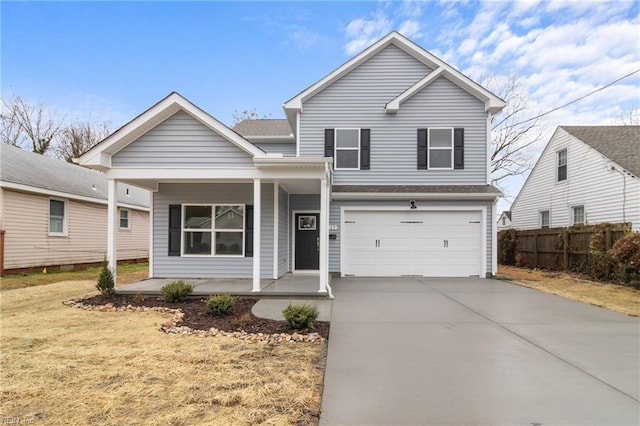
(577, 215)
(57, 217)
(504, 221)
(350, 148)
(124, 219)
(347, 149)
(544, 219)
(216, 230)
(561, 165)
(440, 148)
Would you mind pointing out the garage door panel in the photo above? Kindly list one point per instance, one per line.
(425, 243)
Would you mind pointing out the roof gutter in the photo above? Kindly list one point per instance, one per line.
(487, 196)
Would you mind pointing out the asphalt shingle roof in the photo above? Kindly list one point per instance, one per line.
(26, 168)
(618, 143)
(263, 127)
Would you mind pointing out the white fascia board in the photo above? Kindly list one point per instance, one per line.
(49, 192)
(394, 105)
(413, 195)
(267, 139)
(293, 161)
(100, 155)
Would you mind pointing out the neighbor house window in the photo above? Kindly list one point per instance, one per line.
(124, 219)
(504, 221)
(577, 214)
(347, 148)
(57, 217)
(440, 145)
(544, 219)
(213, 230)
(561, 172)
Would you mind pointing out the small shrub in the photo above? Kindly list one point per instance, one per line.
(139, 297)
(220, 304)
(106, 285)
(300, 316)
(626, 255)
(243, 320)
(176, 291)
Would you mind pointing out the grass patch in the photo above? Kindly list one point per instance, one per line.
(127, 273)
(618, 298)
(89, 367)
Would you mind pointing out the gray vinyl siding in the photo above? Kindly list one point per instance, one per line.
(182, 141)
(335, 219)
(209, 267)
(358, 100)
(283, 231)
(286, 148)
(602, 192)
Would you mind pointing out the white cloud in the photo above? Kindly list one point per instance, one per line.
(364, 32)
(302, 36)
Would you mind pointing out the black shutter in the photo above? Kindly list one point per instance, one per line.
(422, 149)
(248, 231)
(365, 149)
(175, 223)
(458, 148)
(329, 142)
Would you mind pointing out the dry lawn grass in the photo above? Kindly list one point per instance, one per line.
(127, 274)
(615, 297)
(86, 367)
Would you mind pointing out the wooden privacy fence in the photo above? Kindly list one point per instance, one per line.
(557, 248)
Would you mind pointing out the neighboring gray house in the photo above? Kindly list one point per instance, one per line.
(380, 169)
(54, 214)
(504, 221)
(586, 174)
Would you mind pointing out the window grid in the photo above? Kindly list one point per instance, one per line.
(209, 247)
(57, 217)
(124, 219)
(544, 219)
(577, 215)
(561, 169)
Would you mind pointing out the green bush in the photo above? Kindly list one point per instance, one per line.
(220, 304)
(176, 291)
(106, 285)
(300, 316)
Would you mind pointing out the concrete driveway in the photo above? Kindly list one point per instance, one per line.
(470, 351)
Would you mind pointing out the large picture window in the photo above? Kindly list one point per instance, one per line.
(440, 148)
(213, 230)
(347, 153)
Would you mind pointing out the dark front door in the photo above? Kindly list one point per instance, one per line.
(307, 246)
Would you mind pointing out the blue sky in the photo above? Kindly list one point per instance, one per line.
(110, 61)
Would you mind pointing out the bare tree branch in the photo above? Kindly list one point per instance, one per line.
(247, 115)
(77, 138)
(510, 141)
(28, 126)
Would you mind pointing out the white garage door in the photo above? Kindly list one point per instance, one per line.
(412, 243)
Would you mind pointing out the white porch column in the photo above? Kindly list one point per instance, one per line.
(276, 219)
(257, 215)
(324, 236)
(112, 227)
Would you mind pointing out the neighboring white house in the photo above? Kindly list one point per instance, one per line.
(586, 174)
(54, 214)
(504, 221)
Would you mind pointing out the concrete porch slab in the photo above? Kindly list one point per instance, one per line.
(288, 285)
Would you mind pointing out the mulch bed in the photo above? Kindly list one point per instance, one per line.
(239, 318)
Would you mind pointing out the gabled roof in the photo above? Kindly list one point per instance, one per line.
(100, 155)
(620, 144)
(264, 127)
(506, 213)
(492, 102)
(27, 171)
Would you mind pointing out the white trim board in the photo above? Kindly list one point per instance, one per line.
(293, 242)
